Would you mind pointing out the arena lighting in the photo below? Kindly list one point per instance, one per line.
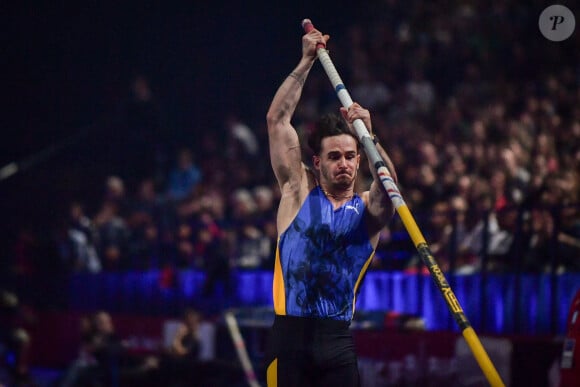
(44, 154)
(8, 170)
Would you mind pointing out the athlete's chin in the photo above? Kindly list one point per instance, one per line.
(344, 180)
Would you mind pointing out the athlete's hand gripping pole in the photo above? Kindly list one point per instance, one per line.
(407, 218)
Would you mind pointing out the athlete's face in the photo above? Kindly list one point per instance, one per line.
(338, 161)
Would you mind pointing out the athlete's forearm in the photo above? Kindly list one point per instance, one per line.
(288, 94)
(381, 206)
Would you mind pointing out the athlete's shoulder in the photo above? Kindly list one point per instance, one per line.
(364, 196)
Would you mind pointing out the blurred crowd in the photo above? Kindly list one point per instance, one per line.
(106, 358)
(479, 113)
(182, 350)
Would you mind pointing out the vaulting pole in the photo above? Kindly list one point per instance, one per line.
(408, 221)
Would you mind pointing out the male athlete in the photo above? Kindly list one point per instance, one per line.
(327, 235)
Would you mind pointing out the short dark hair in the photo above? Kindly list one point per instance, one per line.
(328, 125)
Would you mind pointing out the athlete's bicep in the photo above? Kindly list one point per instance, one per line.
(285, 153)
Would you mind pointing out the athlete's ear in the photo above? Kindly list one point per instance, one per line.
(316, 162)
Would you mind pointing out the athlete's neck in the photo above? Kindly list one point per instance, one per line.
(341, 196)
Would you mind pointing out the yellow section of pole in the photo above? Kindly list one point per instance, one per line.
(469, 334)
(410, 225)
(482, 358)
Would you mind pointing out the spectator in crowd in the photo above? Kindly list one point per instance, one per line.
(146, 203)
(539, 251)
(517, 176)
(83, 369)
(15, 343)
(78, 250)
(265, 220)
(554, 242)
(569, 235)
(420, 93)
(372, 91)
(439, 233)
(185, 249)
(462, 261)
(113, 236)
(142, 143)
(242, 142)
(213, 248)
(143, 248)
(252, 244)
(192, 360)
(103, 359)
(146, 216)
(116, 193)
(187, 342)
(184, 177)
(492, 236)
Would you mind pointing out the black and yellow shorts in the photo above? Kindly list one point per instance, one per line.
(311, 352)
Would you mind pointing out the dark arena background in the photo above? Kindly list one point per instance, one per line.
(135, 184)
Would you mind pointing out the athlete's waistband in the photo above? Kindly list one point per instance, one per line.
(316, 323)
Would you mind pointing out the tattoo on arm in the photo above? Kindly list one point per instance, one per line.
(298, 78)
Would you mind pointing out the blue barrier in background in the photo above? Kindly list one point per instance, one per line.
(492, 309)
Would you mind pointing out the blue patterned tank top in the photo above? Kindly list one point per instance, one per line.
(321, 259)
